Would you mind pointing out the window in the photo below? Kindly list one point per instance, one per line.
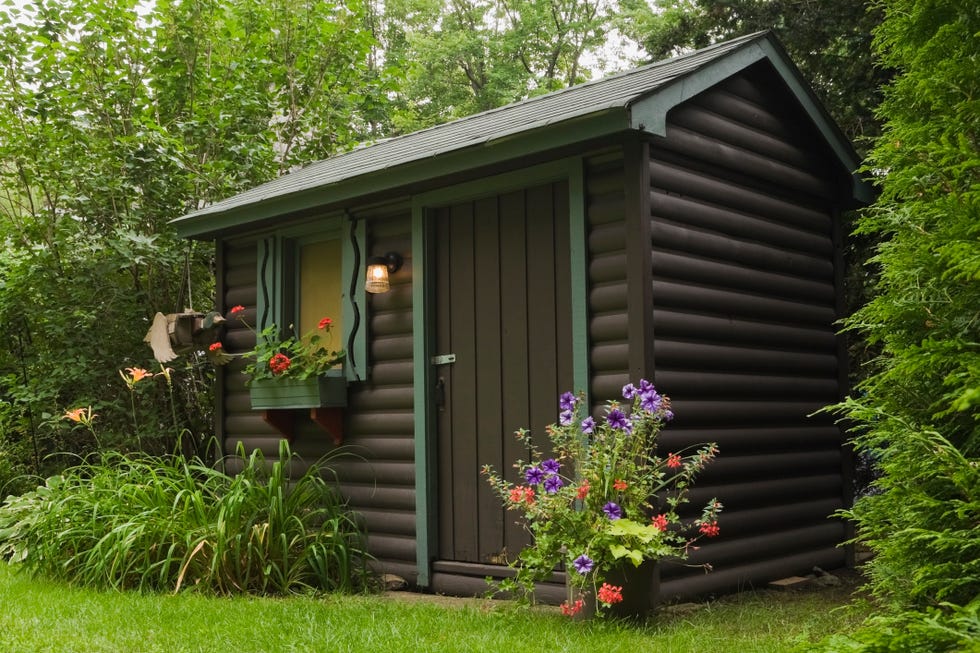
(305, 274)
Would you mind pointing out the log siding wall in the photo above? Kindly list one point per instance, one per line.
(379, 480)
(742, 203)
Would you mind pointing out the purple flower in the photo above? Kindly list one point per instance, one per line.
(588, 425)
(551, 466)
(618, 420)
(583, 564)
(566, 401)
(650, 400)
(669, 415)
(629, 391)
(566, 417)
(553, 483)
(612, 510)
(534, 475)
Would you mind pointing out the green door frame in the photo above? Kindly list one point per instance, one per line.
(423, 321)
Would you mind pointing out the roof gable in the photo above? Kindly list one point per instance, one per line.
(638, 99)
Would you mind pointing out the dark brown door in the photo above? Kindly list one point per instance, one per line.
(503, 318)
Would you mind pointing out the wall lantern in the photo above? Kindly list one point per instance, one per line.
(378, 269)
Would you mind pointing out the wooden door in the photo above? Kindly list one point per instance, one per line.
(503, 315)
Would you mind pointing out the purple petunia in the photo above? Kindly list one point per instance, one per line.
(588, 425)
(650, 400)
(534, 475)
(553, 483)
(566, 417)
(612, 510)
(583, 564)
(617, 419)
(629, 391)
(669, 415)
(551, 466)
(566, 401)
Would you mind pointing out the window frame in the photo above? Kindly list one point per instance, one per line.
(278, 279)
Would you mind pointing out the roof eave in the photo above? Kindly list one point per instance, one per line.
(206, 225)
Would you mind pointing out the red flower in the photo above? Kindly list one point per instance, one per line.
(673, 460)
(215, 346)
(279, 363)
(660, 522)
(709, 529)
(610, 594)
(572, 610)
(325, 323)
(583, 490)
(236, 310)
(516, 494)
(620, 485)
(529, 495)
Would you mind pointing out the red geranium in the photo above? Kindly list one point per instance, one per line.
(709, 529)
(610, 594)
(279, 363)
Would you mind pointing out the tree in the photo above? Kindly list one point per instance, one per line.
(918, 412)
(114, 119)
(459, 57)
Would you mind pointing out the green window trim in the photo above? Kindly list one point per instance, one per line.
(278, 282)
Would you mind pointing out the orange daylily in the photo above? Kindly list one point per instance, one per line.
(136, 374)
(81, 416)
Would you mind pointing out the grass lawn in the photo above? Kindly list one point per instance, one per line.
(39, 616)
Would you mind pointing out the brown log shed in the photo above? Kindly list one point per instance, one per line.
(678, 222)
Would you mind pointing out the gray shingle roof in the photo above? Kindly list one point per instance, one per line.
(619, 91)
(613, 91)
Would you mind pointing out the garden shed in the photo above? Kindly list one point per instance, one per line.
(678, 222)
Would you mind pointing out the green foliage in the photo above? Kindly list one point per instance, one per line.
(163, 523)
(917, 411)
(116, 117)
(948, 628)
(464, 57)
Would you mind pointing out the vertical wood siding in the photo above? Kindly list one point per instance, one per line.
(379, 480)
(742, 202)
(503, 309)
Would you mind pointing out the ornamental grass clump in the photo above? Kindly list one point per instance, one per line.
(166, 523)
(603, 498)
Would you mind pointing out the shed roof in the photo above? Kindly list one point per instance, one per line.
(637, 99)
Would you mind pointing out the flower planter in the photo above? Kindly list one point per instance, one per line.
(638, 590)
(328, 390)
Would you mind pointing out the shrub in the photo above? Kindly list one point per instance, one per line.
(165, 523)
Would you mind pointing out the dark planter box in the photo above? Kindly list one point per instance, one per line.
(328, 390)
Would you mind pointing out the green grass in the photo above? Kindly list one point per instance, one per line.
(38, 616)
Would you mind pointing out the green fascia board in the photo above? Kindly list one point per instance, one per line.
(508, 147)
(649, 113)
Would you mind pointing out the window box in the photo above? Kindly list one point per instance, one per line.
(328, 390)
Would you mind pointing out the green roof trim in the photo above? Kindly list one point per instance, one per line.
(638, 99)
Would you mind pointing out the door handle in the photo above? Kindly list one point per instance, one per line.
(440, 393)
